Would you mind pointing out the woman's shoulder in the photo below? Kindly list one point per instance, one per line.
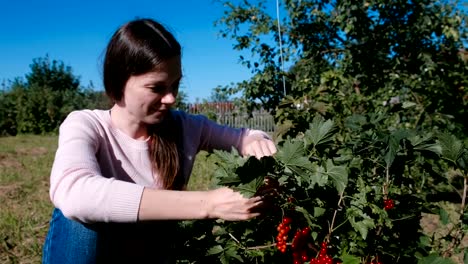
(88, 118)
(88, 115)
(187, 117)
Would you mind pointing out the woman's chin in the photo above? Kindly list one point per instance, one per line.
(156, 117)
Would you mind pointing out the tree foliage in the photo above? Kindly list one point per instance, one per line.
(370, 113)
(347, 57)
(40, 103)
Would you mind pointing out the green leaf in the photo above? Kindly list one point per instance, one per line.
(249, 189)
(225, 178)
(425, 144)
(444, 217)
(229, 158)
(393, 142)
(292, 156)
(363, 226)
(349, 259)
(338, 174)
(215, 250)
(408, 104)
(320, 131)
(224, 259)
(232, 253)
(452, 148)
(355, 122)
(319, 176)
(319, 211)
(435, 259)
(306, 215)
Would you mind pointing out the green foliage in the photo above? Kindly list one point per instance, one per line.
(40, 104)
(349, 57)
(334, 178)
(53, 74)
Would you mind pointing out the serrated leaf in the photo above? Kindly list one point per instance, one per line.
(232, 253)
(320, 131)
(215, 250)
(338, 174)
(452, 148)
(319, 176)
(355, 122)
(463, 160)
(229, 158)
(425, 144)
(224, 259)
(305, 214)
(363, 225)
(349, 259)
(292, 156)
(225, 179)
(435, 259)
(249, 189)
(319, 211)
(393, 142)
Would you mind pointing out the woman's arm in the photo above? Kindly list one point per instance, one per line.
(221, 203)
(215, 136)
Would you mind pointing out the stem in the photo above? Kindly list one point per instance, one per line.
(330, 229)
(387, 182)
(262, 247)
(465, 190)
(338, 226)
(457, 237)
(235, 239)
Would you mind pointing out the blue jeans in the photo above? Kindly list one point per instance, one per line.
(69, 241)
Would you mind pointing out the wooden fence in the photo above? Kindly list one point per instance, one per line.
(227, 114)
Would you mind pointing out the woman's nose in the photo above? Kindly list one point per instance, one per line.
(169, 98)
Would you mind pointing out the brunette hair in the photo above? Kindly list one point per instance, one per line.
(138, 47)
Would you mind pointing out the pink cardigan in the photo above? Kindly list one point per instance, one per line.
(99, 172)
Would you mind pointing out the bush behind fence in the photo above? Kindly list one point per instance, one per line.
(227, 114)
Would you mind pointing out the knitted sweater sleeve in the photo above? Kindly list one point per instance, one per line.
(77, 186)
(215, 136)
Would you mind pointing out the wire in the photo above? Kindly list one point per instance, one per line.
(280, 45)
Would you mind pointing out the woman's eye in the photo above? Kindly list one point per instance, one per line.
(158, 89)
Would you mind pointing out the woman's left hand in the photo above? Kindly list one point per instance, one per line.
(259, 144)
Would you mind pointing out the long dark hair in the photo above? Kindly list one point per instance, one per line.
(136, 48)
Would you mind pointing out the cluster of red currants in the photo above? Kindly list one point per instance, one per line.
(299, 246)
(283, 230)
(388, 204)
(323, 257)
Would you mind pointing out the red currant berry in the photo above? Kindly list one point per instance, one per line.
(287, 220)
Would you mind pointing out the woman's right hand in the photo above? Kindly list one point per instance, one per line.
(227, 204)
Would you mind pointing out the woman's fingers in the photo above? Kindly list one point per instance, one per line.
(230, 205)
(260, 147)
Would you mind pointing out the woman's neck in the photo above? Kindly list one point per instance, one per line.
(128, 124)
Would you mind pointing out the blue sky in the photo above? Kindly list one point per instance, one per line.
(76, 32)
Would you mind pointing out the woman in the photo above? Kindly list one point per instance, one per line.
(119, 175)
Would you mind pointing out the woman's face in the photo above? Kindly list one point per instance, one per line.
(148, 97)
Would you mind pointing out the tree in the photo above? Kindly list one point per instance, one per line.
(350, 56)
(53, 74)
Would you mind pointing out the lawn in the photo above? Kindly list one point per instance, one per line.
(25, 207)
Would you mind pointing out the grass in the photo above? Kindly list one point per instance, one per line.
(25, 207)
(25, 163)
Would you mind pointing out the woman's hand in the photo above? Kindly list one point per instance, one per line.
(258, 143)
(224, 203)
